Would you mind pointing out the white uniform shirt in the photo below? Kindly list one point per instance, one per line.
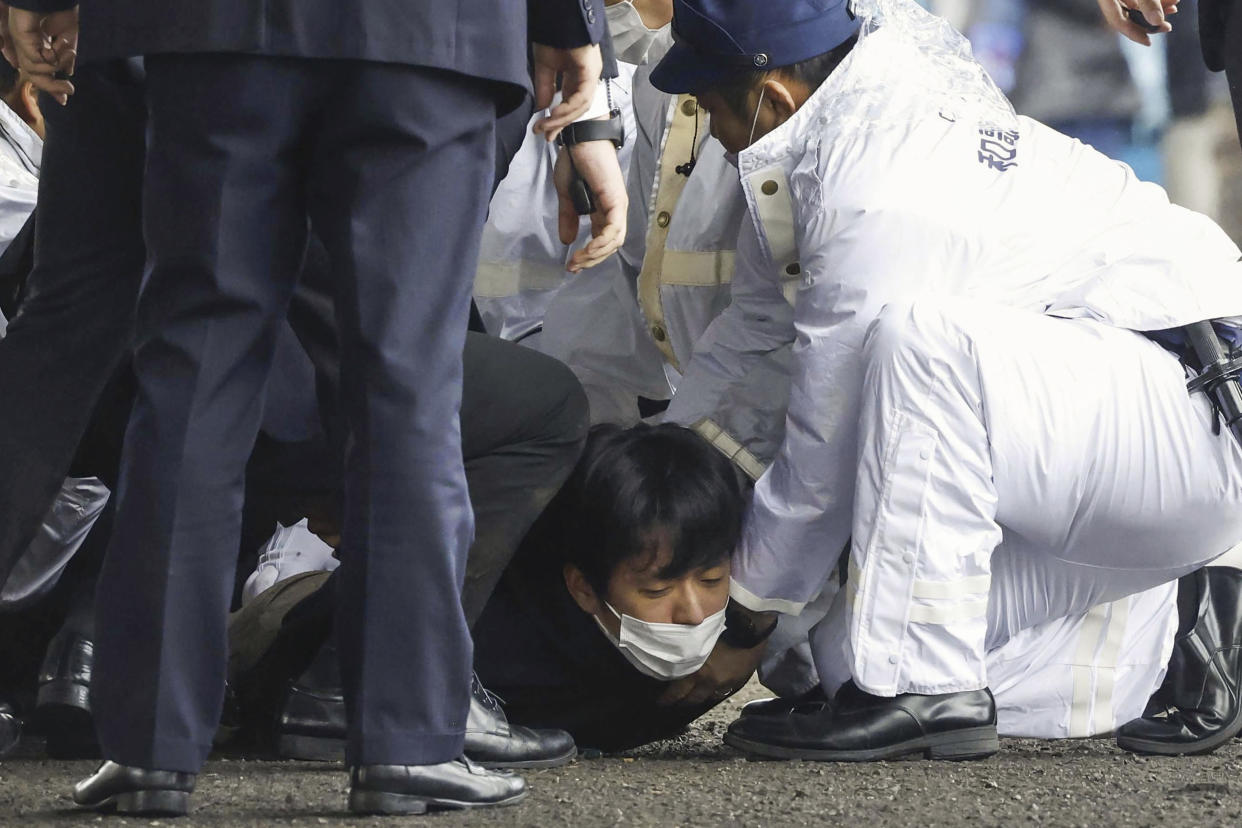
(893, 197)
(21, 154)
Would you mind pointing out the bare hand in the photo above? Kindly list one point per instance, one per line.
(725, 672)
(579, 70)
(45, 44)
(1154, 12)
(597, 164)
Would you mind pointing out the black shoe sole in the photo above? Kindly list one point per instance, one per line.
(551, 762)
(1149, 747)
(328, 749)
(384, 802)
(957, 745)
(145, 803)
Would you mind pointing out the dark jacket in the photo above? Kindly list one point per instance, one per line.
(1213, 15)
(481, 38)
(1072, 65)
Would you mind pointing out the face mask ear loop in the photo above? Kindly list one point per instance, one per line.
(751, 139)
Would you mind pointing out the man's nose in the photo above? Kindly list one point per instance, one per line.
(689, 608)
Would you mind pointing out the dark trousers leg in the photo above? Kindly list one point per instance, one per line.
(398, 194)
(397, 173)
(524, 419)
(1233, 59)
(76, 320)
(225, 227)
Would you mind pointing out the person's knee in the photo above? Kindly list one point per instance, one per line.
(912, 330)
(564, 418)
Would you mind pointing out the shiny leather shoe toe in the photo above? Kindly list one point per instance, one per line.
(1198, 707)
(493, 742)
(139, 791)
(860, 727)
(809, 701)
(416, 789)
(10, 728)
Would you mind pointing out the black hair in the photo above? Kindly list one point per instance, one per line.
(811, 73)
(8, 77)
(632, 483)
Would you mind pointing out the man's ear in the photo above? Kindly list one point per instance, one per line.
(27, 108)
(783, 97)
(584, 596)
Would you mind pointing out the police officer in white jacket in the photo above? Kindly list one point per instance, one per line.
(974, 403)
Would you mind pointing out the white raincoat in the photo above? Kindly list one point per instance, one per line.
(997, 468)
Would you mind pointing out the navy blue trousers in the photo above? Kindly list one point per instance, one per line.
(392, 166)
(75, 322)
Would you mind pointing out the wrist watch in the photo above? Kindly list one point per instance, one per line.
(741, 632)
(582, 131)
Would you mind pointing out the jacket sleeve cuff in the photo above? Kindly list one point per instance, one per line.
(44, 6)
(754, 603)
(561, 24)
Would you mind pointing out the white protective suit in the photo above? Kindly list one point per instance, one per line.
(521, 258)
(970, 401)
(628, 327)
(591, 321)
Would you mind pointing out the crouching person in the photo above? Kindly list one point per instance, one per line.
(977, 408)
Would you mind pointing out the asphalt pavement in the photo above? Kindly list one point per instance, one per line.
(694, 780)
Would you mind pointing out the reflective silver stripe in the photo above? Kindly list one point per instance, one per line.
(1106, 673)
(974, 585)
(728, 445)
(1094, 626)
(496, 280)
(752, 601)
(963, 611)
(697, 268)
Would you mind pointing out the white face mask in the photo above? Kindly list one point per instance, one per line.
(632, 41)
(665, 651)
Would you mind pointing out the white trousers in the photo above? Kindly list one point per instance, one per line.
(1017, 468)
(1072, 677)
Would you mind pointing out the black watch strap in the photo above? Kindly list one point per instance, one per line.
(582, 131)
(740, 631)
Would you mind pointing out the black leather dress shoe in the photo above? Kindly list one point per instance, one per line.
(10, 728)
(311, 726)
(1198, 707)
(129, 790)
(63, 704)
(311, 722)
(860, 727)
(416, 789)
(493, 742)
(812, 700)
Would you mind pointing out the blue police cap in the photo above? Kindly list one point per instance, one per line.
(715, 39)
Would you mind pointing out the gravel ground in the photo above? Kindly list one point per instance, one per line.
(696, 781)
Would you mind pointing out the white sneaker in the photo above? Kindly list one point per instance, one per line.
(291, 551)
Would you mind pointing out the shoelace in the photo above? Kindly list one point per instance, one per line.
(489, 699)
